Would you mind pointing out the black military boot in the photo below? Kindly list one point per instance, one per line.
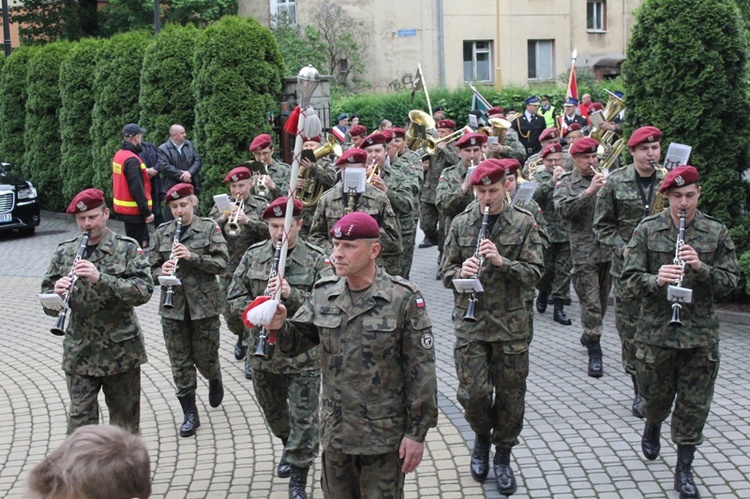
(284, 469)
(480, 456)
(637, 408)
(189, 409)
(596, 368)
(248, 371)
(298, 483)
(506, 482)
(239, 349)
(583, 340)
(559, 314)
(683, 474)
(215, 392)
(426, 243)
(651, 440)
(541, 302)
(439, 275)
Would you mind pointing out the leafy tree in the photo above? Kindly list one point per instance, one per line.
(13, 106)
(166, 97)
(343, 40)
(41, 160)
(41, 20)
(76, 85)
(125, 15)
(298, 45)
(237, 80)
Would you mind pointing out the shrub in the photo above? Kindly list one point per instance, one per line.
(76, 95)
(42, 131)
(13, 106)
(237, 80)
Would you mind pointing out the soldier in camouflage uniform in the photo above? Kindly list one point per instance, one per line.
(621, 204)
(511, 147)
(548, 136)
(556, 278)
(335, 202)
(570, 134)
(103, 347)
(191, 327)
(322, 174)
(287, 388)
(678, 365)
(379, 389)
(429, 217)
(356, 135)
(575, 201)
(276, 177)
(252, 230)
(402, 191)
(492, 354)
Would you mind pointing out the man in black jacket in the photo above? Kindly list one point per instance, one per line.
(150, 156)
(179, 162)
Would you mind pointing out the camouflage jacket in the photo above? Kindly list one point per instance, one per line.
(305, 264)
(254, 231)
(450, 199)
(199, 296)
(517, 151)
(556, 228)
(501, 307)
(331, 208)
(403, 193)
(576, 209)
(442, 159)
(280, 173)
(619, 210)
(410, 163)
(102, 335)
(652, 246)
(377, 362)
(325, 176)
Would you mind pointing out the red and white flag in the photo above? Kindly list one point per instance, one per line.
(572, 85)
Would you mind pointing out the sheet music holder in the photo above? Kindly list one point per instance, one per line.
(597, 118)
(169, 280)
(468, 286)
(51, 301)
(524, 193)
(679, 294)
(309, 155)
(677, 154)
(223, 203)
(473, 122)
(355, 178)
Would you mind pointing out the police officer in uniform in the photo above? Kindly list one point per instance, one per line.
(529, 126)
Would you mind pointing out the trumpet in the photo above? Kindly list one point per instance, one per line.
(260, 186)
(170, 289)
(676, 293)
(375, 170)
(470, 315)
(233, 227)
(262, 351)
(59, 328)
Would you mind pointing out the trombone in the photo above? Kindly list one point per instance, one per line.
(233, 227)
(430, 144)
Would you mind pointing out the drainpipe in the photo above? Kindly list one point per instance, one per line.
(441, 43)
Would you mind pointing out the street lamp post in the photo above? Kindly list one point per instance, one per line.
(6, 29)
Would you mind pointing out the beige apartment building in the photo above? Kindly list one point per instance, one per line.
(492, 42)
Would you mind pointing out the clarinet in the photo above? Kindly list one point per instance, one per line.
(59, 328)
(676, 305)
(261, 351)
(170, 289)
(470, 315)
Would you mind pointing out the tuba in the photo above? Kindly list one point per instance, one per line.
(59, 328)
(657, 204)
(613, 107)
(309, 189)
(419, 123)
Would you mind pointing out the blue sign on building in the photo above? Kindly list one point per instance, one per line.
(405, 33)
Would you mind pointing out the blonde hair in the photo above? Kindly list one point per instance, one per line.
(95, 461)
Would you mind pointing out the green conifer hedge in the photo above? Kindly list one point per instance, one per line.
(13, 106)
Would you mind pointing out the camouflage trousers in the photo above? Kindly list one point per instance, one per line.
(407, 241)
(500, 367)
(192, 344)
(290, 405)
(556, 277)
(685, 377)
(592, 283)
(429, 220)
(234, 322)
(362, 476)
(122, 394)
(627, 312)
(530, 309)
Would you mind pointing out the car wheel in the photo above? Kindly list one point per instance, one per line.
(27, 231)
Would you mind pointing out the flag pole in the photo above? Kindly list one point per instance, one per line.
(480, 96)
(424, 87)
(573, 58)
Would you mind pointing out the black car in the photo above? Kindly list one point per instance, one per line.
(19, 206)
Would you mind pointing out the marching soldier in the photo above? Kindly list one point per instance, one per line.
(575, 201)
(678, 364)
(548, 136)
(320, 173)
(556, 278)
(276, 177)
(191, 326)
(357, 133)
(628, 196)
(287, 388)
(377, 357)
(529, 126)
(335, 203)
(103, 347)
(251, 230)
(492, 353)
(511, 147)
(570, 135)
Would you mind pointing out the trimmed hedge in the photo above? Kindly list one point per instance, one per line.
(76, 84)
(42, 133)
(13, 107)
(233, 93)
(166, 97)
(116, 90)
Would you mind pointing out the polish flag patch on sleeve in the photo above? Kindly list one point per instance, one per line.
(420, 302)
(328, 261)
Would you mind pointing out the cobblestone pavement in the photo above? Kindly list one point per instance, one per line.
(579, 440)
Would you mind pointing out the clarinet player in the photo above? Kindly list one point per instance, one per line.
(678, 364)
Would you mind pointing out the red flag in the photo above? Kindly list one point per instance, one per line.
(572, 85)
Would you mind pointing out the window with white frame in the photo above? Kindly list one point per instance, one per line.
(541, 59)
(285, 7)
(478, 61)
(596, 15)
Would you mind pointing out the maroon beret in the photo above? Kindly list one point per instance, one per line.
(446, 124)
(357, 131)
(356, 225)
(277, 208)
(179, 191)
(680, 177)
(585, 145)
(239, 173)
(398, 133)
(596, 106)
(311, 139)
(261, 142)
(495, 110)
(86, 200)
(511, 165)
(374, 139)
(388, 134)
(644, 135)
(551, 149)
(471, 140)
(575, 127)
(550, 133)
(488, 172)
(352, 156)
